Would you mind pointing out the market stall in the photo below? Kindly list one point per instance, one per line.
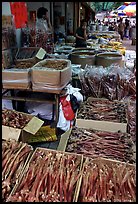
(69, 133)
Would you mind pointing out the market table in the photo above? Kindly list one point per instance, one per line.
(45, 96)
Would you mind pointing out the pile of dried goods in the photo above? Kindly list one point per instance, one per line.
(131, 114)
(94, 143)
(14, 119)
(51, 177)
(103, 110)
(102, 182)
(57, 64)
(14, 156)
(25, 65)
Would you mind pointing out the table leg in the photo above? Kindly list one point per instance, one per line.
(13, 102)
(57, 107)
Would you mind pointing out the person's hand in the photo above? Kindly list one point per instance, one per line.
(84, 27)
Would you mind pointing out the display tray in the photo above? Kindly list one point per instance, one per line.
(78, 163)
(94, 143)
(26, 53)
(25, 151)
(119, 122)
(106, 180)
(32, 127)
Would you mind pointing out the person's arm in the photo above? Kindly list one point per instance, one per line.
(82, 38)
(49, 25)
(85, 34)
(77, 36)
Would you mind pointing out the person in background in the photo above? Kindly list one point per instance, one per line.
(111, 26)
(121, 28)
(115, 27)
(44, 30)
(126, 31)
(43, 21)
(81, 35)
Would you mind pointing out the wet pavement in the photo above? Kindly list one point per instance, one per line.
(128, 44)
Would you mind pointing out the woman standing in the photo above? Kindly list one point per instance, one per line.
(44, 30)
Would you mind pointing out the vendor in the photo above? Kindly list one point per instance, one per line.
(81, 35)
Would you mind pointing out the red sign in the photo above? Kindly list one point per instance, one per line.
(19, 11)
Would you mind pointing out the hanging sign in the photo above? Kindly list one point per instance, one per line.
(19, 12)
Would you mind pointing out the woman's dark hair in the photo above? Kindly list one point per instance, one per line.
(82, 22)
(41, 11)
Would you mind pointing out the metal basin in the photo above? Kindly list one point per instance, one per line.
(83, 49)
(108, 58)
(83, 58)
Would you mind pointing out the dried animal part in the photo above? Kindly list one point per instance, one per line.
(14, 119)
(51, 177)
(107, 183)
(103, 110)
(94, 143)
(14, 157)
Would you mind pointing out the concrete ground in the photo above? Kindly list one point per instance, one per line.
(128, 44)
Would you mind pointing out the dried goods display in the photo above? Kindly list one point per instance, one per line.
(51, 177)
(25, 65)
(131, 115)
(57, 64)
(94, 143)
(14, 156)
(7, 59)
(102, 182)
(111, 82)
(14, 119)
(8, 38)
(103, 110)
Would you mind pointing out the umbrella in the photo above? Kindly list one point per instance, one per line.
(120, 10)
(133, 3)
(130, 10)
(127, 3)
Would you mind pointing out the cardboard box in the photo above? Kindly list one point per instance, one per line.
(16, 78)
(101, 125)
(47, 78)
(80, 158)
(19, 134)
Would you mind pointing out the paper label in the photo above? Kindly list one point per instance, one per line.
(41, 53)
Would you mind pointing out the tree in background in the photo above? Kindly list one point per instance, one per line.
(105, 6)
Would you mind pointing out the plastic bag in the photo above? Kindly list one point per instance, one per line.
(63, 124)
(66, 107)
(74, 103)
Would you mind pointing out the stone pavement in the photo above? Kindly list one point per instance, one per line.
(128, 44)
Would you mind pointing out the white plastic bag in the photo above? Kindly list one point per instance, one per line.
(63, 124)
